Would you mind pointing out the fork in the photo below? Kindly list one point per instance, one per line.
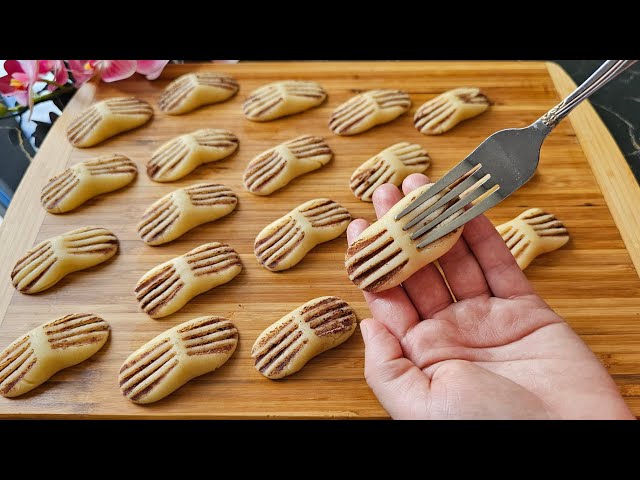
(498, 166)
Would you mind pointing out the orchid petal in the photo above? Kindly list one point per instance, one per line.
(114, 70)
(12, 66)
(151, 68)
(79, 72)
(31, 68)
(22, 97)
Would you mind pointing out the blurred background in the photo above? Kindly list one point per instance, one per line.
(618, 104)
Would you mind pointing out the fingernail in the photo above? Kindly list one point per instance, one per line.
(363, 329)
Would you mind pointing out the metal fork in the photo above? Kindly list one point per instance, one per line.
(498, 166)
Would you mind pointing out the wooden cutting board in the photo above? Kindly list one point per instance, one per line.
(582, 178)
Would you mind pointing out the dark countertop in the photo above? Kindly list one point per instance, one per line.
(618, 104)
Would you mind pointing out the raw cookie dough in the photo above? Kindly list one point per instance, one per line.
(169, 286)
(106, 119)
(194, 90)
(367, 110)
(286, 241)
(384, 255)
(34, 357)
(391, 165)
(174, 357)
(182, 155)
(286, 346)
(444, 112)
(533, 233)
(181, 210)
(48, 262)
(279, 99)
(276, 167)
(85, 180)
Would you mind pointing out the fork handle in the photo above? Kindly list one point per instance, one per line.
(603, 75)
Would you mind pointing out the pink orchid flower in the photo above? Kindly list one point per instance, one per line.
(151, 68)
(20, 78)
(109, 70)
(59, 70)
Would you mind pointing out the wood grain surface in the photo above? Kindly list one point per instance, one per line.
(591, 281)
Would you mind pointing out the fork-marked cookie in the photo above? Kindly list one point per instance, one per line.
(34, 357)
(444, 112)
(174, 357)
(48, 262)
(194, 90)
(279, 99)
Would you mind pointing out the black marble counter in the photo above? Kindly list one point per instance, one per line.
(618, 104)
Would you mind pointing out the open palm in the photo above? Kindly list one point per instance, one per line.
(499, 351)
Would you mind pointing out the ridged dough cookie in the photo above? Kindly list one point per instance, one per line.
(174, 357)
(391, 165)
(384, 255)
(34, 357)
(106, 119)
(533, 233)
(286, 346)
(286, 241)
(50, 261)
(167, 288)
(194, 90)
(183, 154)
(279, 99)
(276, 167)
(444, 112)
(367, 110)
(183, 209)
(85, 180)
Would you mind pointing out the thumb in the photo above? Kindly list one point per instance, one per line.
(397, 382)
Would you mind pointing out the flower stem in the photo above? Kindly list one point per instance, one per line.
(19, 109)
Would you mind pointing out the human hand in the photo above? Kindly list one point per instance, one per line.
(498, 352)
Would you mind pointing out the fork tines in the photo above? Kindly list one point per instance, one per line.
(463, 185)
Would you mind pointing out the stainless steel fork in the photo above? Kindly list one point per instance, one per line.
(498, 166)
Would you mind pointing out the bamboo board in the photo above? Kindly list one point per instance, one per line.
(592, 281)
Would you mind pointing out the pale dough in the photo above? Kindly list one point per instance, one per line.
(182, 155)
(106, 119)
(48, 262)
(444, 112)
(367, 110)
(34, 357)
(317, 326)
(384, 255)
(85, 180)
(194, 90)
(181, 210)
(174, 357)
(167, 288)
(533, 233)
(280, 99)
(276, 167)
(392, 165)
(282, 244)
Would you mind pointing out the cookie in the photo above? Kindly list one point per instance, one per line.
(282, 244)
(194, 90)
(34, 357)
(276, 167)
(183, 209)
(533, 233)
(50, 261)
(167, 288)
(174, 357)
(279, 99)
(367, 110)
(286, 346)
(384, 255)
(106, 119)
(182, 155)
(444, 112)
(391, 165)
(85, 180)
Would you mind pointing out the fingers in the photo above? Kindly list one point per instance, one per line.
(426, 288)
(502, 273)
(391, 306)
(397, 383)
